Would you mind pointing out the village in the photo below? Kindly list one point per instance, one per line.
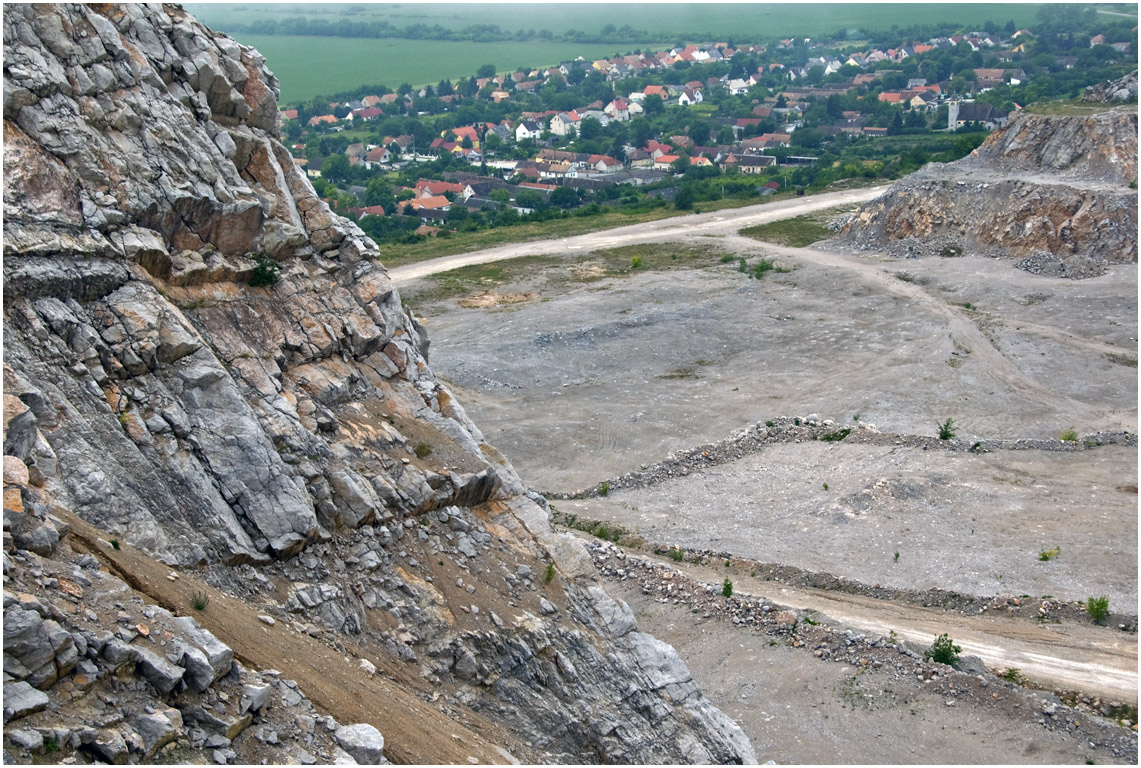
(647, 130)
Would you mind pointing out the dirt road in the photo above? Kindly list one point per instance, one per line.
(1095, 660)
(716, 223)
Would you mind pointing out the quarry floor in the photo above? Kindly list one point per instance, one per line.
(581, 367)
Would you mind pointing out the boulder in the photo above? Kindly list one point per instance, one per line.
(363, 741)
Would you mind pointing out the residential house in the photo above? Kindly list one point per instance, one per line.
(689, 96)
(372, 101)
(377, 156)
(427, 188)
(665, 162)
(367, 113)
(434, 203)
(737, 86)
(528, 129)
(747, 163)
(619, 110)
(655, 90)
(1096, 40)
(318, 119)
(604, 163)
(961, 113)
(288, 114)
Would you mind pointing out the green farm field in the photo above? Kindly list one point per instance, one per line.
(320, 66)
(664, 21)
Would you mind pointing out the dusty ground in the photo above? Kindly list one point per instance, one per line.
(593, 378)
(798, 709)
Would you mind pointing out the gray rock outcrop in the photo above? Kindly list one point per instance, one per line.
(256, 431)
(1049, 191)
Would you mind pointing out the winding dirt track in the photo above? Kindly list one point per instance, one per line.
(1071, 656)
(717, 223)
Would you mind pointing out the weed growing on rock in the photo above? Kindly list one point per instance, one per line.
(550, 573)
(725, 259)
(199, 601)
(1070, 435)
(115, 544)
(635, 262)
(770, 423)
(676, 554)
(727, 588)
(825, 486)
(604, 488)
(265, 273)
(1049, 554)
(947, 430)
(896, 558)
(423, 450)
(1098, 608)
(943, 650)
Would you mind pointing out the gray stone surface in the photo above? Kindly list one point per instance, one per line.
(21, 700)
(363, 741)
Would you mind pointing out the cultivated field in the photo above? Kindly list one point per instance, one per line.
(667, 21)
(320, 66)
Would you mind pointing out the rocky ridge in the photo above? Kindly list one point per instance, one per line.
(288, 443)
(1049, 191)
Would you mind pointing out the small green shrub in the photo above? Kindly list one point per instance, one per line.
(825, 486)
(770, 423)
(896, 558)
(1098, 608)
(947, 430)
(636, 262)
(423, 450)
(51, 745)
(199, 600)
(676, 554)
(1049, 554)
(1070, 435)
(115, 544)
(604, 488)
(743, 265)
(943, 650)
(838, 435)
(265, 272)
(728, 257)
(549, 577)
(1012, 675)
(727, 588)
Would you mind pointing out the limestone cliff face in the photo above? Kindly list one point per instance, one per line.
(287, 432)
(1048, 191)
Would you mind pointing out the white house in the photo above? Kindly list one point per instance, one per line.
(528, 129)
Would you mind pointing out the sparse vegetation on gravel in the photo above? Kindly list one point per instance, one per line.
(943, 651)
(947, 430)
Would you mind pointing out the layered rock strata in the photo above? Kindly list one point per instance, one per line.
(293, 430)
(1052, 192)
